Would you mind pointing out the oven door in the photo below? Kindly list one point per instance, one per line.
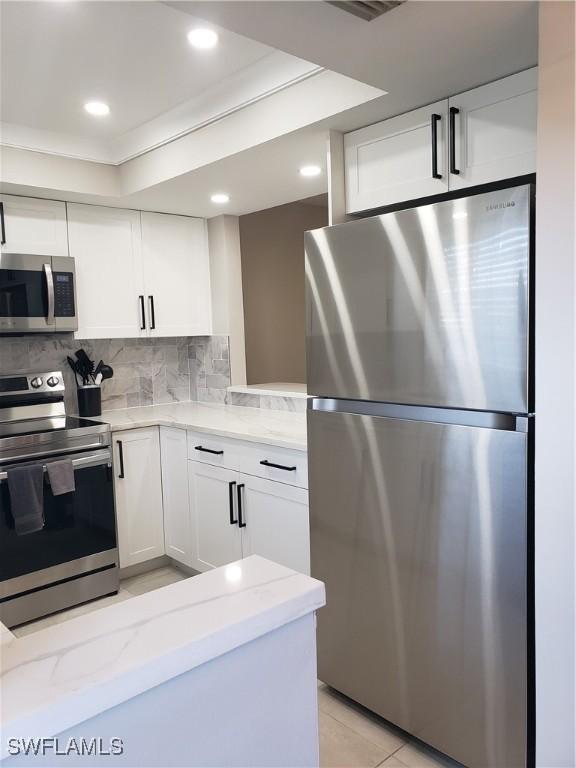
(79, 533)
(37, 294)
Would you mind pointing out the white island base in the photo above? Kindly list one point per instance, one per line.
(216, 670)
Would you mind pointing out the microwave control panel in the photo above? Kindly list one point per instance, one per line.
(64, 294)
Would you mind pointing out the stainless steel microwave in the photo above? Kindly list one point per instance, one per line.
(37, 294)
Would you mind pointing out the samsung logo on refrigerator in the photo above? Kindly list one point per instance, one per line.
(499, 206)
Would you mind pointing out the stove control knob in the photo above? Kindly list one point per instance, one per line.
(36, 382)
(52, 381)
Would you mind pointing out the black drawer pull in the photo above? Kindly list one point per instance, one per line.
(241, 523)
(208, 450)
(231, 487)
(267, 463)
(120, 459)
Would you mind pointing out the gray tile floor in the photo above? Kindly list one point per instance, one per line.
(350, 736)
(353, 737)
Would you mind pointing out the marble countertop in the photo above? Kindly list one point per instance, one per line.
(260, 425)
(60, 676)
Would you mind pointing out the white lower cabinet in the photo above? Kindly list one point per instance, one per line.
(276, 520)
(177, 539)
(216, 536)
(138, 488)
(171, 500)
(234, 514)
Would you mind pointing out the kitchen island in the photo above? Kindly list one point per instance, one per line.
(219, 669)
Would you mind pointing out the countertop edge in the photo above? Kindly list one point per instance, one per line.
(164, 422)
(73, 707)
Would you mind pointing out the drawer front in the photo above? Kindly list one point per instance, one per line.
(280, 464)
(214, 450)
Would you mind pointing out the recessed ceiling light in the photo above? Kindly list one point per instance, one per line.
(310, 170)
(202, 38)
(220, 197)
(97, 108)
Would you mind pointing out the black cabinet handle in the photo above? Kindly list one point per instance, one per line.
(2, 225)
(267, 463)
(142, 313)
(453, 112)
(208, 450)
(434, 125)
(120, 458)
(241, 523)
(231, 487)
(152, 313)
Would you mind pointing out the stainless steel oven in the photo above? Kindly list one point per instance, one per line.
(74, 557)
(37, 294)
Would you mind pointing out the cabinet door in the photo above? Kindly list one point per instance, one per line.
(276, 520)
(495, 130)
(392, 161)
(138, 488)
(216, 538)
(177, 538)
(177, 275)
(34, 226)
(106, 245)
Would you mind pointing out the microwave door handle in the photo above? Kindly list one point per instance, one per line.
(50, 289)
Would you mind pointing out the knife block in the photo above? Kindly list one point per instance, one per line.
(90, 400)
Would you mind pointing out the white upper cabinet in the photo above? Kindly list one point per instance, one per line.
(399, 159)
(176, 274)
(478, 137)
(34, 226)
(109, 281)
(495, 131)
(138, 491)
(139, 274)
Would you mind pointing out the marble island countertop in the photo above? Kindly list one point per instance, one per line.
(281, 428)
(65, 674)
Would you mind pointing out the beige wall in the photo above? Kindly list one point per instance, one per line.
(272, 245)
(555, 390)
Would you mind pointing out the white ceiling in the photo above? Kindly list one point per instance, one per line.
(56, 55)
(137, 54)
(419, 52)
(257, 178)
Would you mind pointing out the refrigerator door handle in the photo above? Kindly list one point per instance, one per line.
(508, 422)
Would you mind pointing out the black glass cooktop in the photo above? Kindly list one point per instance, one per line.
(53, 424)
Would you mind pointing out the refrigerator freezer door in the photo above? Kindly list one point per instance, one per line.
(425, 306)
(419, 532)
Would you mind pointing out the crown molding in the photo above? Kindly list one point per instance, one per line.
(270, 75)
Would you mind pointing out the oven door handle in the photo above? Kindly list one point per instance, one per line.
(82, 462)
(50, 290)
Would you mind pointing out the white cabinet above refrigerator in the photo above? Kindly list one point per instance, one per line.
(477, 137)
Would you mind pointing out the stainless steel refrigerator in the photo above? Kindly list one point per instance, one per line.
(420, 462)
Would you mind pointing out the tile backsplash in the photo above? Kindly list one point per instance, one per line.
(146, 371)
